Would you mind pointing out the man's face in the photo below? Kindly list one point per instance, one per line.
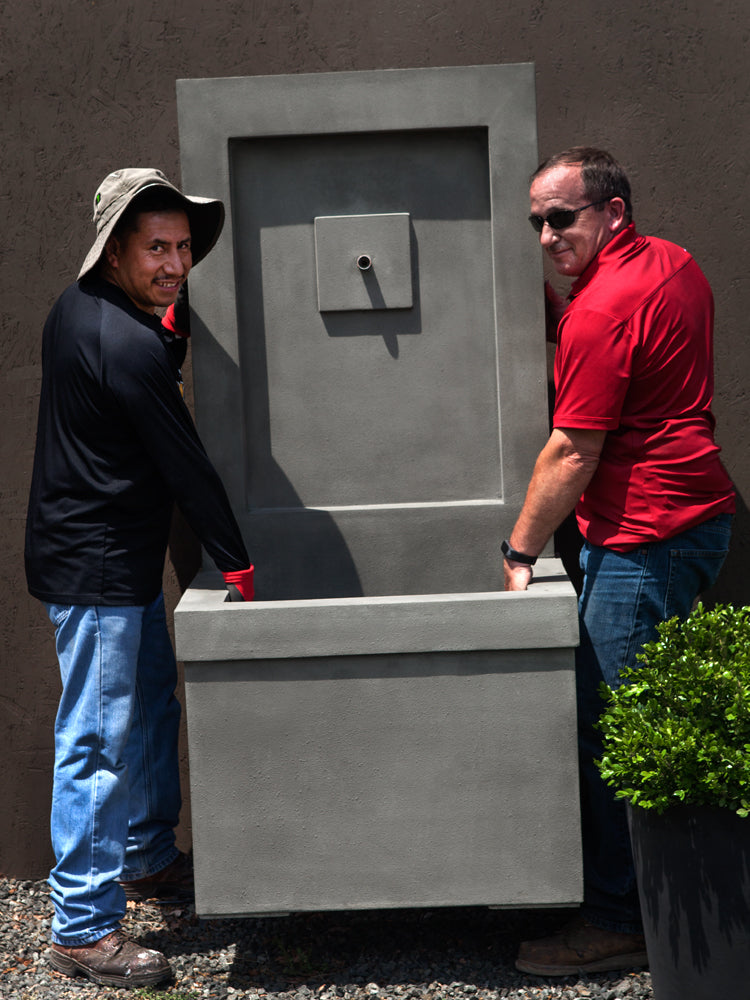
(571, 250)
(151, 262)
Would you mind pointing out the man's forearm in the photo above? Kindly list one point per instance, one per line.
(562, 472)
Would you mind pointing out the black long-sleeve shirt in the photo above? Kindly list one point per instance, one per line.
(116, 447)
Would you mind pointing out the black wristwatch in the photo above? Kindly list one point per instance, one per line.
(515, 556)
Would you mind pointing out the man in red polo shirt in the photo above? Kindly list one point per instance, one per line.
(632, 451)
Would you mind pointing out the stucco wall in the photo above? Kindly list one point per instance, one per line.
(89, 86)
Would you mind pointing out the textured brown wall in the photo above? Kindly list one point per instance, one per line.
(88, 86)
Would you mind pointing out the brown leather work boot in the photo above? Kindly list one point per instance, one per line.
(581, 947)
(114, 960)
(172, 884)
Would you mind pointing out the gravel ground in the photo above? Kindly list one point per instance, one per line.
(440, 954)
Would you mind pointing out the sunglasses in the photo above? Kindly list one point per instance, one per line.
(561, 218)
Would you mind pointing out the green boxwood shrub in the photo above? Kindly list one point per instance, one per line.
(678, 729)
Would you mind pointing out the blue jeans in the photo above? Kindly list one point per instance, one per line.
(624, 596)
(116, 792)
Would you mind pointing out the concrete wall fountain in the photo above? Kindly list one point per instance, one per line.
(383, 726)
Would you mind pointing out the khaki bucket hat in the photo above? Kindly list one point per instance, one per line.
(118, 189)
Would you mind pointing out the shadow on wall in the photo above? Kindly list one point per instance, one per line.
(299, 553)
(733, 585)
(184, 551)
(326, 571)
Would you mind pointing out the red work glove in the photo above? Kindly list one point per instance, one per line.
(177, 317)
(240, 582)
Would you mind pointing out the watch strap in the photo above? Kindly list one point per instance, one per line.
(515, 556)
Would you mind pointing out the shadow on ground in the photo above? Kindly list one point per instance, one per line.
(472, 945)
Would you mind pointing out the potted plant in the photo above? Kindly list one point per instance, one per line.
(676, 746)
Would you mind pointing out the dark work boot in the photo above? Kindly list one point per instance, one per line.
(173, 884)
(114, 960)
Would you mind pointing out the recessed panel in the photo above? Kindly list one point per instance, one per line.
(365, 406)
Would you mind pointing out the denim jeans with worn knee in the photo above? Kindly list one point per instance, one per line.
(624, 596)
(116, 792)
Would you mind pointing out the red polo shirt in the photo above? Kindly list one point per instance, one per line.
(635, 358)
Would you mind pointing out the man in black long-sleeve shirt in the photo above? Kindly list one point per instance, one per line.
(116, 448)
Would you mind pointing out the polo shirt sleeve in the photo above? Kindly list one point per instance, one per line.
(593, 366)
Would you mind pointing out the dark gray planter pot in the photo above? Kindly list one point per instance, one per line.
(693, 870)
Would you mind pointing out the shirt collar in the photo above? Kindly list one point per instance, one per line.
(108, 290)
(619, 244)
